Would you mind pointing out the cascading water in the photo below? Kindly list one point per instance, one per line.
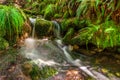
(54, 53)
(36, 50)
(56, 29)
(94, 74)
(33, 20)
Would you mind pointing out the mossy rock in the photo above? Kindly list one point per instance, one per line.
(68, 36)
(3, 44)
(81, 37)
(47, 72)
(27, 68)
(42, 73)
(43, 27)
(71, 23)
(78, 40)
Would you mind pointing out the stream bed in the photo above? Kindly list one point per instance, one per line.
(20, 64)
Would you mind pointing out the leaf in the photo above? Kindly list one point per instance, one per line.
(108, 30)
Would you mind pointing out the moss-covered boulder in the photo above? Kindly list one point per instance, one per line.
(43, 27)
(81, 37)
(67, 38)
(3, 43)
(71, 22)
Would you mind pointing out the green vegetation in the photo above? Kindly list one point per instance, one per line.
(91, 27)
(3, 44)
(11, 21)
(93, 21)
(43, 27)
(42, 73)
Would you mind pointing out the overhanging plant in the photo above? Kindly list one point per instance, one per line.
(11, 21)
(104, 35)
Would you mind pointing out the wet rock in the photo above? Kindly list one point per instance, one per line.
(43, 27)
(86, 52)
(75, 47)
(117, 56)
(70, 23)
(70, 74)
(74, 75)
(27, 68)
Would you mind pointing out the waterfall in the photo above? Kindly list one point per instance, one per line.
(32, 20)
(94, 74)
(56, 29)
(45, 52)
(37, 55)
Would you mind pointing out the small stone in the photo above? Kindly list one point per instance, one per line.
(75, 47)
(118, 74)
(70, 47)
(104, 70)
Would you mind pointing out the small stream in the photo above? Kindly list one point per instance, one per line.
(63, 54)
(53, 53)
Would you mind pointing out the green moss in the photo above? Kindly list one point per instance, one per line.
(71, 23)
(3, 44)
(68, 36)
(43, 27)
(47, 72)
(35, 73)
(65, 24)
(11, 21)
(42, 73)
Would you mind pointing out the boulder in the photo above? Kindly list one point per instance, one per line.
(43, 27)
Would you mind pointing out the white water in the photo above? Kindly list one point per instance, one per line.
(30, 52)
(56, 29)
(32, 20)
(94, 74)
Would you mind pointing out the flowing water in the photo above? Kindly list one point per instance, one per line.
(33, 20)
(45, 52)
(56, 29)
(53, 53)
